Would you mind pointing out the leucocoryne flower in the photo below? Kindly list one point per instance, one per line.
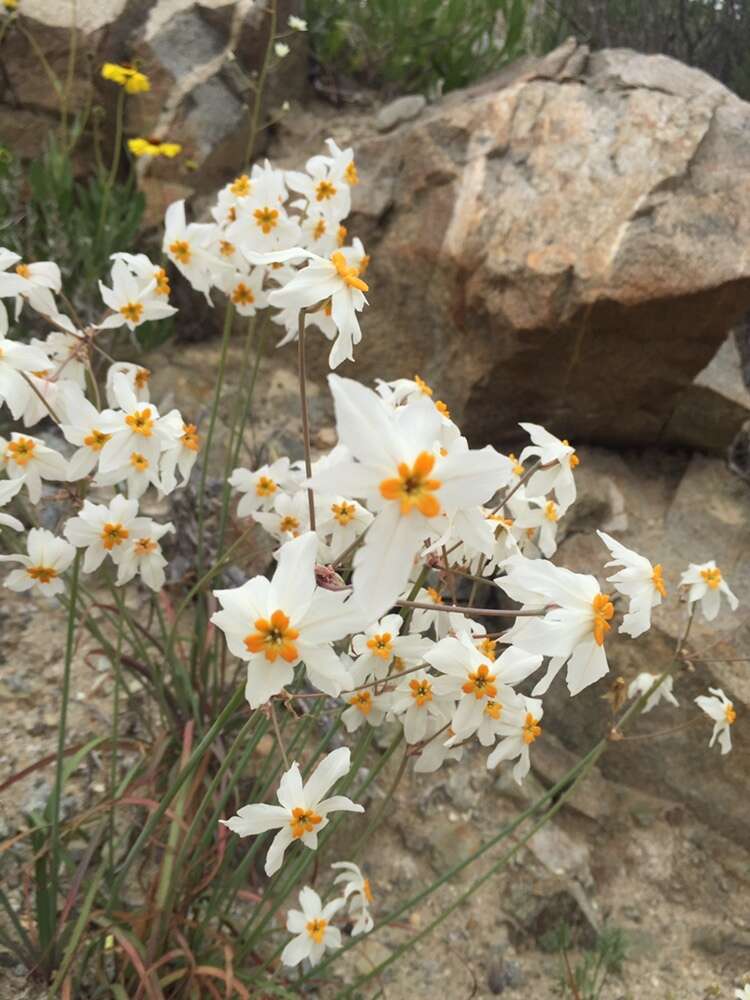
(359, 893)
(311, 925)
(706, 584)
(718, 707)
(303, 809)
(638, 580)
(47, 559)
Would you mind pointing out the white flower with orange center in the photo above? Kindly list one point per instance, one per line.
(404, 479)
(336, 280)
(141, 555)
(358, 893)
(192, 249)
(573, 631)
(535, 524)
(137, 377)
(311, 925)
(705, 583)
(289, 518)
(324, 189)
(722, 711)
(558, 460)
(30, 459)
(17, 360)
(28, 281)
(245, 290)
(47, 559)
(475, 679)
(341, 521)
(436, 750)
(181, 453)
(303, 809)
(518, 727)
(275, 624)
(102, 530)
(364, 707)
(8, 489)
(259, 489)
(145, 271)
(134, 429)
(416, 701)
(639, 581)
(644, 682)
(380, 643)
(132, 300)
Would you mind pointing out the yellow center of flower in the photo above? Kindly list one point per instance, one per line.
(434, 595)
(421, 691)
(42, 574)
(343, 512)
(141, 378)
(139, 462)
(414, 488)
(573, 459)
(226, 249)
(518, 469)
(181, 250)
(531, 729)
(729, 714)
(712, 577)
(132, 311)
(273, 638)
(493, 709)
(603, 613)
(362, 701)
(349, 274)
(320, 229)
(21, 451)
(144, 546)
(141, 422)
(324, 190)
(162, 281)
(266, 219)
(422, 386)
(657, 578)
(350, 174)
(487, 647)
(242, 295)
(265, 486)
(240, 186)
(96, 440)
(480, 683)
(23, 270)
(381, 645)
(316, 929)
(550, 511)
(442, 409)
(190, 437)
(289, 525)
(303, 821)
(113, 534)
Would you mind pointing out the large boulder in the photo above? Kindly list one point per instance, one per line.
(202, 57)
(565, 243)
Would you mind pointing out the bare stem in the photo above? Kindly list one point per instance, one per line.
(277, 733)
(305, 416)
(460, 610)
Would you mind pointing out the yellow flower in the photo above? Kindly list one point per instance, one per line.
(10, 4)
(128, 77)
(147, 147)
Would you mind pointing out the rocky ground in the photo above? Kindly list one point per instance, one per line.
(652, 844)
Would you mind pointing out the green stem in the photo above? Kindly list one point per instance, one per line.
(255, 120)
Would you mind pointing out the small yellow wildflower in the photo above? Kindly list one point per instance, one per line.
(149, 147)
(10, 4)
(128, 77)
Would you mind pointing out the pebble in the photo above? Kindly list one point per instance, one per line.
(403, 109)
(504, 975)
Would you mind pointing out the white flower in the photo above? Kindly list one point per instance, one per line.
(289, 518)
(416, 702)
(33, 283)
(573, 632)
(135, 429)
(16, 358)
(423, 619)
(30, 458)
(142, 554)
(721, 710)
(133, 301)
(296, 23)
(637, 580)
(476, 680)
(48, 557)
(342, 523)
(8, 490)
(518, 727)
(378, 646)
(261, 487)
(336, 278)
(359, 893)
(743, 994)
(364, 706)
(706, 585)
(644, 682)
(281, 49)
(275, 624)
(313, 929)
(436, 751)
(403, 477)
(137, 378)
(303, 810)
(551, 451)
(246, 290)
(544, 516)
(102, 530)
(189, 247)
(181, 455)
(68, 351)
